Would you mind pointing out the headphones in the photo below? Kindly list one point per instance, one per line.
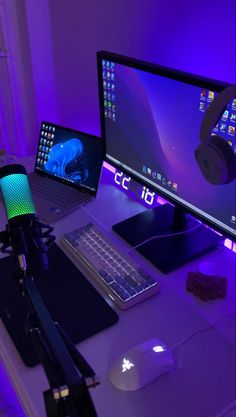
(215, 157)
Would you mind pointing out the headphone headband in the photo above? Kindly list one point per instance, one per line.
(213, 112)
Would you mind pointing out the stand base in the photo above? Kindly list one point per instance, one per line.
(167, 253)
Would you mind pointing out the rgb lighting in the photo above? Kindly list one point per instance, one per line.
(16, 193)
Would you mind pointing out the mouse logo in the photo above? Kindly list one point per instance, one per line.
(126, 365)
(158, 349)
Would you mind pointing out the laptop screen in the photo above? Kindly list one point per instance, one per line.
(70, 156)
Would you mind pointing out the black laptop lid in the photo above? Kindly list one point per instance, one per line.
(70, 156)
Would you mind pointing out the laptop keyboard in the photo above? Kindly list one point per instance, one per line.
(56, 192)
(118, 274)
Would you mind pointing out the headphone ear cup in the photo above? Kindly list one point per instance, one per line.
(227, 153)
(217, 161)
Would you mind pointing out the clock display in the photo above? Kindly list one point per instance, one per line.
(127, 184)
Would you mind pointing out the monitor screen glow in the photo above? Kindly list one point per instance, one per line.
(151, 118)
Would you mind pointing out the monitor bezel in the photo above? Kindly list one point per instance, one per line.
(178, 75)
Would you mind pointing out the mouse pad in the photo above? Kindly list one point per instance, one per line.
(71, 301)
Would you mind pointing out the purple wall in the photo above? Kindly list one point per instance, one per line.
(53, 71)
(197, 37)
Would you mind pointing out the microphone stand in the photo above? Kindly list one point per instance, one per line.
(68, 374)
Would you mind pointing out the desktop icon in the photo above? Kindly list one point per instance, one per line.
(233, 117)
(201, 106)
(225, 114)
(223, 127)
(211, 95)
(231, 130)
(203, 95)
(174, 186)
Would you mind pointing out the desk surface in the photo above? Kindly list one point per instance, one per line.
(202, 382)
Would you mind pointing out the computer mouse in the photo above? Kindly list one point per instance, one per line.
(140, 365)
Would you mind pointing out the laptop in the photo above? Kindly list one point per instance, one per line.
(67, 171)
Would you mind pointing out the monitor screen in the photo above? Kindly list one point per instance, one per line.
(151, 118)
(71, 157)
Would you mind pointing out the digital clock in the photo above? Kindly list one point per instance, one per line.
(127, 184)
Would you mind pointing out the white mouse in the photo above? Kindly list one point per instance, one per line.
(140, 365)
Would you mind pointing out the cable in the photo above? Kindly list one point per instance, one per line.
(165, 236)
(211, 326)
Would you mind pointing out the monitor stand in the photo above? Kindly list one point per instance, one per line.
(188, 238)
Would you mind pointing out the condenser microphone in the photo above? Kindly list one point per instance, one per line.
(24, 230)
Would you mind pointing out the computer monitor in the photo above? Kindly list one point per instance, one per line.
(150, 119)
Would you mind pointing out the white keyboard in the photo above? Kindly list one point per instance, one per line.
(116, 272)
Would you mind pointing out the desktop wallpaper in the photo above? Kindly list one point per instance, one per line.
(152, 126)
(65, 160)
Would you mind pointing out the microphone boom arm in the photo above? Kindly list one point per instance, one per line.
(68, 394)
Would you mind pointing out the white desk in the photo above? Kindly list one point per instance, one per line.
(203, 381)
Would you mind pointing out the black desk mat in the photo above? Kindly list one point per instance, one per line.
(71, 300)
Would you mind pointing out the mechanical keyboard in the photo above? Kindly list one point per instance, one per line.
(122, 278)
